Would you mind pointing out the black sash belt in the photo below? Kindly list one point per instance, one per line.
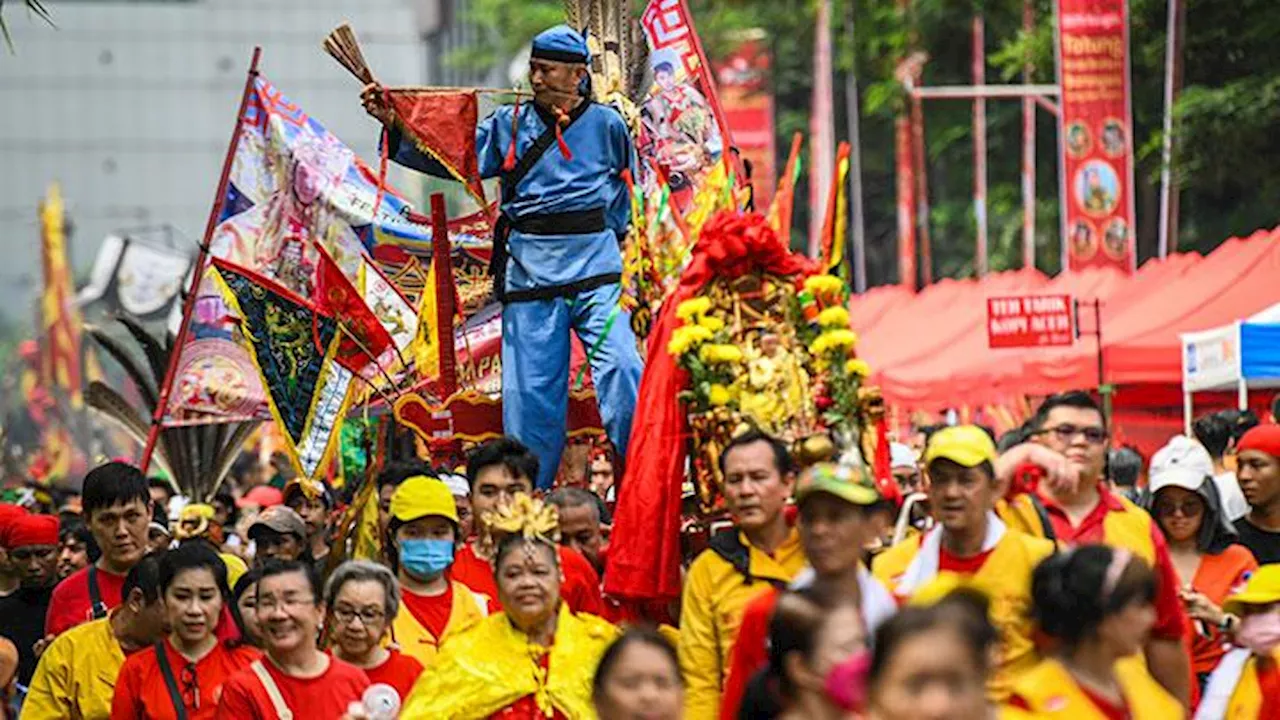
(563, 291)
(581, 222)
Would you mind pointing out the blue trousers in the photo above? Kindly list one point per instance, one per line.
(535, 370)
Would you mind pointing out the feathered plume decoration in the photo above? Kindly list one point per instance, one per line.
(532, 518)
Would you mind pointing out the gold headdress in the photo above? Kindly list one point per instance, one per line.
(201, 513)
(526, 516)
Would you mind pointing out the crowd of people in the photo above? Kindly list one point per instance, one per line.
(1040, 575)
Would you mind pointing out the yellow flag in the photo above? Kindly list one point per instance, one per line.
(426, 347)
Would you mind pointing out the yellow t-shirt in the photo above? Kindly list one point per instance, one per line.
(76, 676)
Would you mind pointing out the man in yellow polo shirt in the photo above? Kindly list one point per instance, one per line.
(971, 545)
(761, 551)
(421, 537)
(76, 676)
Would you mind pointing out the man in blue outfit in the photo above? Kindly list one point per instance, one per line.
(557, 247)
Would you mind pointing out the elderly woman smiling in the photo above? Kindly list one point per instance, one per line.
(362, 598)
(536, 658)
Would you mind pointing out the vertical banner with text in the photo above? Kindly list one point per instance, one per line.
(1096, 133)
(743, 77)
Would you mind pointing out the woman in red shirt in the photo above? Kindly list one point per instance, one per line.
(182, 675)
(362, 597)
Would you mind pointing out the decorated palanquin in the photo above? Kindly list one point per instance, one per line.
(753, 335)
(772, 351)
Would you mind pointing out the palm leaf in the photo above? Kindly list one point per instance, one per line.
(157, 354)
(35, 7)
(143, 379)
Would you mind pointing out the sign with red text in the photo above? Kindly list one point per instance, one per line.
(1030, 321)
(1096, 133)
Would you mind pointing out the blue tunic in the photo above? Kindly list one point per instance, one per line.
(601, 149)
(576, 273)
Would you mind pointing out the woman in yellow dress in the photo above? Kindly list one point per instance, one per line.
(1097, 605)
(535, 659)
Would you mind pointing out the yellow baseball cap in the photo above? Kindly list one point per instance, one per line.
(965, 445)
(1263, 588)
(421, 496)
(847, 483)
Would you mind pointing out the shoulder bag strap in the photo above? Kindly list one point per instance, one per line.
(96, 606)
(170, 682)
(273, 691)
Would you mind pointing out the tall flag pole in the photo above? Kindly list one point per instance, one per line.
(197, 274)
(853, 119)
(821, 127)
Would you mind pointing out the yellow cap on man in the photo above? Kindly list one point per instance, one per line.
(421, 496)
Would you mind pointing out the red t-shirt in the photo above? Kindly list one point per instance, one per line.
(961, 566)
(141, 692)
(324, 697)
(70, 604)
(581, 589)
(1109, 710)
(749, 653)
(1171, 619)
(400, 671)
(431, 612)
(526, 708)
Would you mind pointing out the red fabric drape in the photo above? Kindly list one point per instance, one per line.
(644, 550)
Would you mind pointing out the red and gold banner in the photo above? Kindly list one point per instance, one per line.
(1096, 133)
(743, 77)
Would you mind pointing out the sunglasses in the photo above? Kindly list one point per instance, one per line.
(1189, 508)
(1093, 435)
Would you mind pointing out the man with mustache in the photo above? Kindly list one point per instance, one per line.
(760, 552)
(969, 542)
(117, 505)
(557, 263)
(1075, 507)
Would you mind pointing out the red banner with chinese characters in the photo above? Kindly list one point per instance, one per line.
(1029, 321)
(743, 77)
(1096, 133)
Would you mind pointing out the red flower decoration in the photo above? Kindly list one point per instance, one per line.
(733, 244)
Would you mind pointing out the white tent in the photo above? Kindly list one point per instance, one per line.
(1241, 355)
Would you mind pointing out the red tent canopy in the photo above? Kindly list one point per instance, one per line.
(929, 350)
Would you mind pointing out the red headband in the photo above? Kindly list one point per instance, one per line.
(32, 530)
(1263, 438)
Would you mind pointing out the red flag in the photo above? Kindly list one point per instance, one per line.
(442, 124)
(364, 339)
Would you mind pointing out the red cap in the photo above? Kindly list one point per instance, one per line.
(1264, 438)
(264, 496)
(9, 515)
(27, 530)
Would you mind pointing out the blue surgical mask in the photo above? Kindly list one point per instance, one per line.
(426, 558)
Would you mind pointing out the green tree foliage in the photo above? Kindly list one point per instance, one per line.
(1227, 114)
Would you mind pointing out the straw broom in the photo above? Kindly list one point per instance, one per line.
(342, 45)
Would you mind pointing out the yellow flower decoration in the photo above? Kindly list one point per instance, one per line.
(527, 516)
(857, 367)
(823, 284)
(719, 395)
(834, 317)
(717, 354)
(833, 340)
(693, 308)
(711, 322)
(687, 337)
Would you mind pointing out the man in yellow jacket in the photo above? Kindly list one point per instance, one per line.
(421, 537)
(1075, 507)
(760, 552)
(76, 676)
(971, 546)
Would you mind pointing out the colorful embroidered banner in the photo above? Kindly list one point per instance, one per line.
(442, 124)
(293, 347)
(294, 187)
(683, 128)
(1097, 133)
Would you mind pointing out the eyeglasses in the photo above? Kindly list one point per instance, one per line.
(190, 687)
(269, 604)
(1066, 433)
(1190, 508)
(368, 616)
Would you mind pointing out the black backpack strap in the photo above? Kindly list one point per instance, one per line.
(1046, 525)
(96, 607)
(170, 682)
(729, 547)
